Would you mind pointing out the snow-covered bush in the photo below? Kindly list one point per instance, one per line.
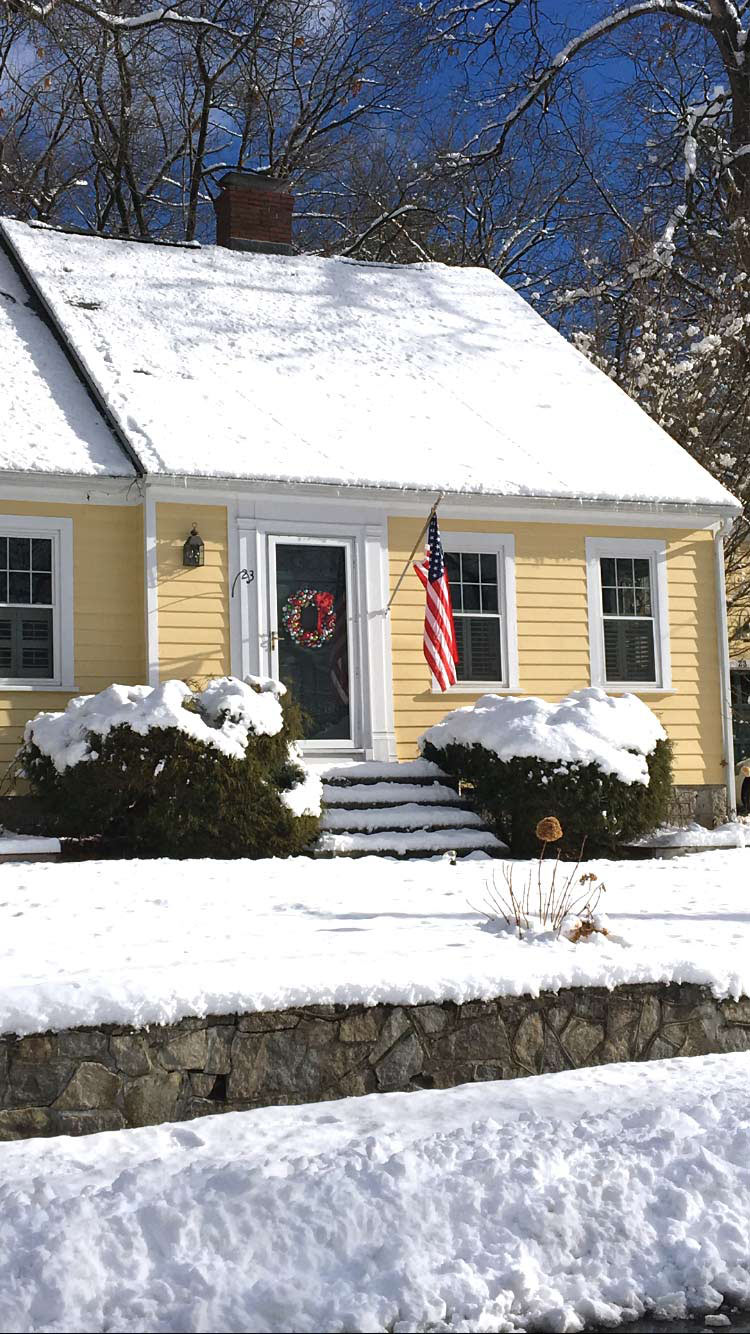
(600, 764)
(167, 771)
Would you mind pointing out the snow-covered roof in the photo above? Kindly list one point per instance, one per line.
(297, 368)
(48, 422)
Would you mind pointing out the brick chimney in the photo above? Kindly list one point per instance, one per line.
(254, 212)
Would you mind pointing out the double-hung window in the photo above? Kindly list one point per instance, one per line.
(36, 609)
(481, 575)
(628, 627)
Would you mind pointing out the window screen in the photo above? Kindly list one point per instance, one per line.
(26, 608)
(475, 595)
(628, 613)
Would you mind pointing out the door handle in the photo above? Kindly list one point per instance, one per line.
(275, 638)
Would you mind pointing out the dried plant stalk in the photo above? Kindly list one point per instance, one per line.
(561, 898)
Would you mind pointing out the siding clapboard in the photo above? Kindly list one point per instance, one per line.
(193, 603)
(553, 648)
(109, 624)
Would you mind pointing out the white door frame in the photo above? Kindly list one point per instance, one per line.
(275, 540)
(369, 623)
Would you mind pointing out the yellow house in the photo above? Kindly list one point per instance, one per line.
(299, 416)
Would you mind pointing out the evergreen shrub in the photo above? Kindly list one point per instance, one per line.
(166, 793)
(595, 809)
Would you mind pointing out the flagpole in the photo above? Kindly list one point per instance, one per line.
(414, 549)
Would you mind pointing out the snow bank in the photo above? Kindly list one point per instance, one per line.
(274, 364)
(27, 845)
(590, 1197)
(229, 711)
(153, 941)
(587, 727)
(731, 835)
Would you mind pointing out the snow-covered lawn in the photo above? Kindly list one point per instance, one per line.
(151, 941)
(543, 1203)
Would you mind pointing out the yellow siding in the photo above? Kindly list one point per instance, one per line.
(109, 625)
(553, 648)
(193, 603)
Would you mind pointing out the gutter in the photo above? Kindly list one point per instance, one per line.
(723, 530)
(75, 359)
(705, 513)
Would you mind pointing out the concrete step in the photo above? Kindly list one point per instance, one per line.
(418, 844)
(412, 815)
(389, 794)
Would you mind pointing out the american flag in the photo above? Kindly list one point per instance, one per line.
(440, 648)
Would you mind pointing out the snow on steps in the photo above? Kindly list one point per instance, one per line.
(393, 843)
(398, 810)
(388, 794)
(412, 815)
(367, 771)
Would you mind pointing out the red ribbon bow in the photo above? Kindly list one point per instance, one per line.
(324, 603)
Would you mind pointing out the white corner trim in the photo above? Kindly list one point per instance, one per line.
(151, 588)
(655, 551)
(502, 545)
(724, 676)
(60, 530)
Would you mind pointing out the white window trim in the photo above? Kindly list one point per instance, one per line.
(502, 545)
(655, 551)
(61, 532)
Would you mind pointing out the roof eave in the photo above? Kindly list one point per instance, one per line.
(710, 511)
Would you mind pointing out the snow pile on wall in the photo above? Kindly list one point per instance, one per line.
(143, 942)
(587, 727)
(583, 1198)
(227, 713)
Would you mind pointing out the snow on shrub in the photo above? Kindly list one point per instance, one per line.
(167, 771)
(601, 764)
(226, 713)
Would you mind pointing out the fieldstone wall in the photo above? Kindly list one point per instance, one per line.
(90, 1079)
(705, 804)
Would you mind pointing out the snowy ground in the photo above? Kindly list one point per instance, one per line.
(151, 941)
(734, 834)
(587, 1197)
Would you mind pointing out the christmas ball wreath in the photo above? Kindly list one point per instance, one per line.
(325, 623)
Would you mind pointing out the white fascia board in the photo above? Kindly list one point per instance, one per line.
(42, 488)
(260, 496)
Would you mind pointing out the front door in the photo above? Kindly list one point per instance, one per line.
(310, 639)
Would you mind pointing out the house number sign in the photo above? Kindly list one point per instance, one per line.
(247, 577)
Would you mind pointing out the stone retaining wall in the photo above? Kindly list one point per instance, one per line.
(89, 1079)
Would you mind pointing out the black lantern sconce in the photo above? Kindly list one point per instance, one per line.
(193, 552)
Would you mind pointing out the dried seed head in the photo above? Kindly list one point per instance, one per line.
(549, 830)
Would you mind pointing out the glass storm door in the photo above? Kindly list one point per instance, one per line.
(310, 648)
